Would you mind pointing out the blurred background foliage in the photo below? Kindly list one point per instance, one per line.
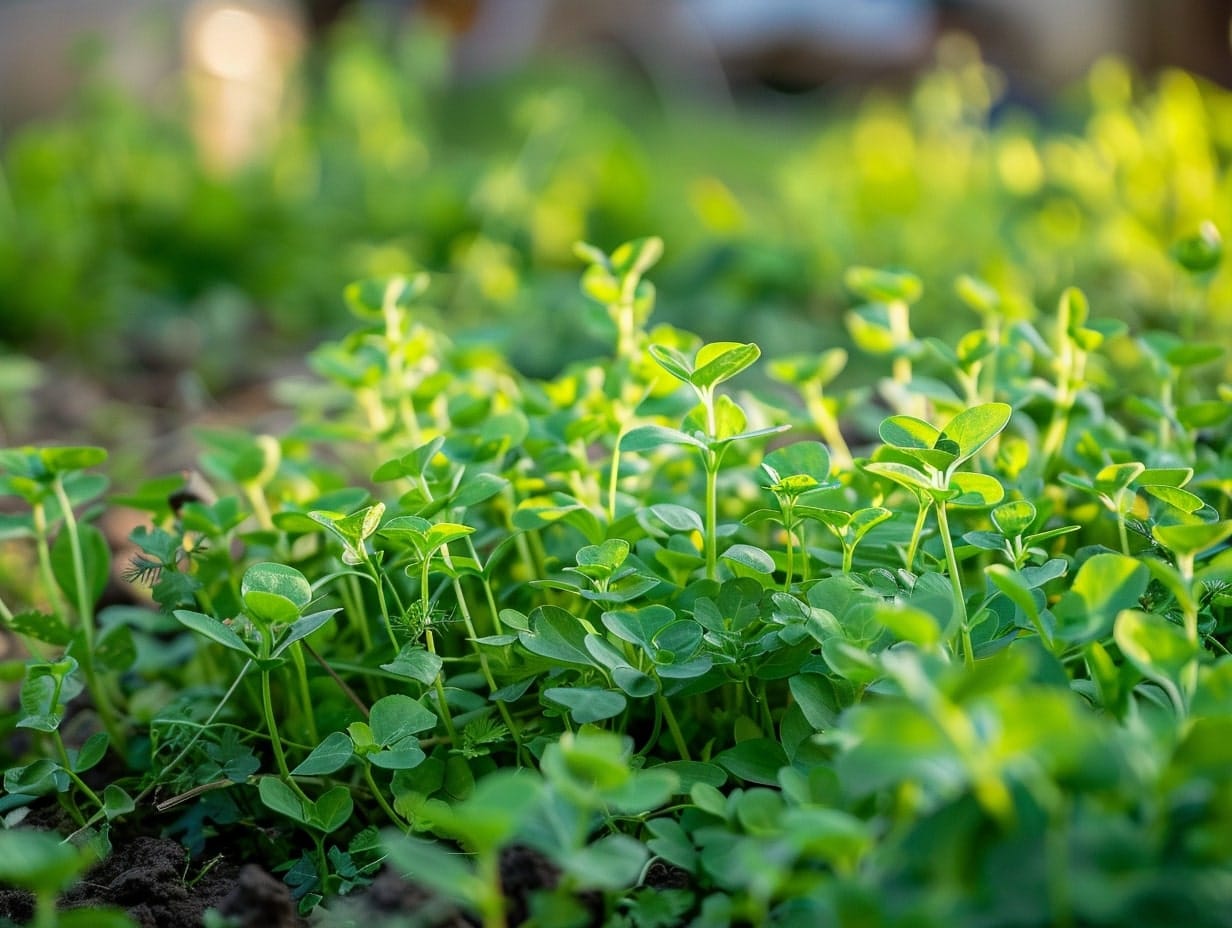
(178, 243)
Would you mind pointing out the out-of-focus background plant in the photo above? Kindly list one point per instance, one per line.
(186, 187)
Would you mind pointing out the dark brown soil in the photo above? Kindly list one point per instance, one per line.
(154, 882)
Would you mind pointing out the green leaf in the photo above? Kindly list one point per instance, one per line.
(494, 812)
(332, 810)
(1013, 518)
(903, 474)
(799, 459)
(756, 761)
(279, 797)
(1116, 477)
(1208, 414)
(974, 428)
(116, 801)
(677, 518)
(302, 628)
(96, 562)
(330, 756)
(1179, 499)
(39, 860)
(557, 635)
(1192, 538)
(639, 627)
(415, 662)
(395, 717)
(611, 863)
(721, 361)
(908, 433)
(41, 626)
(214, 630)
(91, 752)
(755, 559)
(115, 649)
(976, 490)
(673, 362)
(883, 286)
(60, 460)
(1104, 585)
(908, 623)
(1199, 253)
(978, 295)
(429, 864)
(587, 704)
(634, 258)
(1165, 476)
(609, 555)
(649, 437)
(815, 696)
(1157, 647)
(274, 594)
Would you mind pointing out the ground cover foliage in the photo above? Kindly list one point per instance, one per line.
(948, 650)
(384, 165)
(803, 590)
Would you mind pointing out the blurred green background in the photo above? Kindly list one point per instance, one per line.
(185, 188)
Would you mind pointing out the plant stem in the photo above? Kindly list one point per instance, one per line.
(814, 402)
(381, 801)
(425, 606)
(960, 604)
(712, 515)
(62, 751)
(493, 907)
(665, 708)
(85, 614)
(514, 731)
(305, 694)
(790, 569)
(916, 534)
(54, 596)
(613, 477)
(267, 706)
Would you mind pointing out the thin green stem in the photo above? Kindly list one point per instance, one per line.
(712, 515)
(960, 604)
(382, 604)
(42, 546)
(379, 795)
(305, 693)
(613, 479)
(790, 567)
(514, 730)
(62, 751)
(916, 535)
(85, 615)
(665, 709)
(271, 727)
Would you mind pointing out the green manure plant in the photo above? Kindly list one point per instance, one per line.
(948, 648)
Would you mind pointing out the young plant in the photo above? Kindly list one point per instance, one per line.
(712, 427)
(936, 456)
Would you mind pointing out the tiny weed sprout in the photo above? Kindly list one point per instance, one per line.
(917, 615)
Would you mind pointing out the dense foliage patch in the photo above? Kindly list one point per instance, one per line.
(950, 651)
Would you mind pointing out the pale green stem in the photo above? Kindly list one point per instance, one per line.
(916, 535)
(712, 516)
(305, 693)
(85, 615)
(960, 604)
(426, 609)
(42, 546)
(665, 707)
(280, 758)
(381, 801)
